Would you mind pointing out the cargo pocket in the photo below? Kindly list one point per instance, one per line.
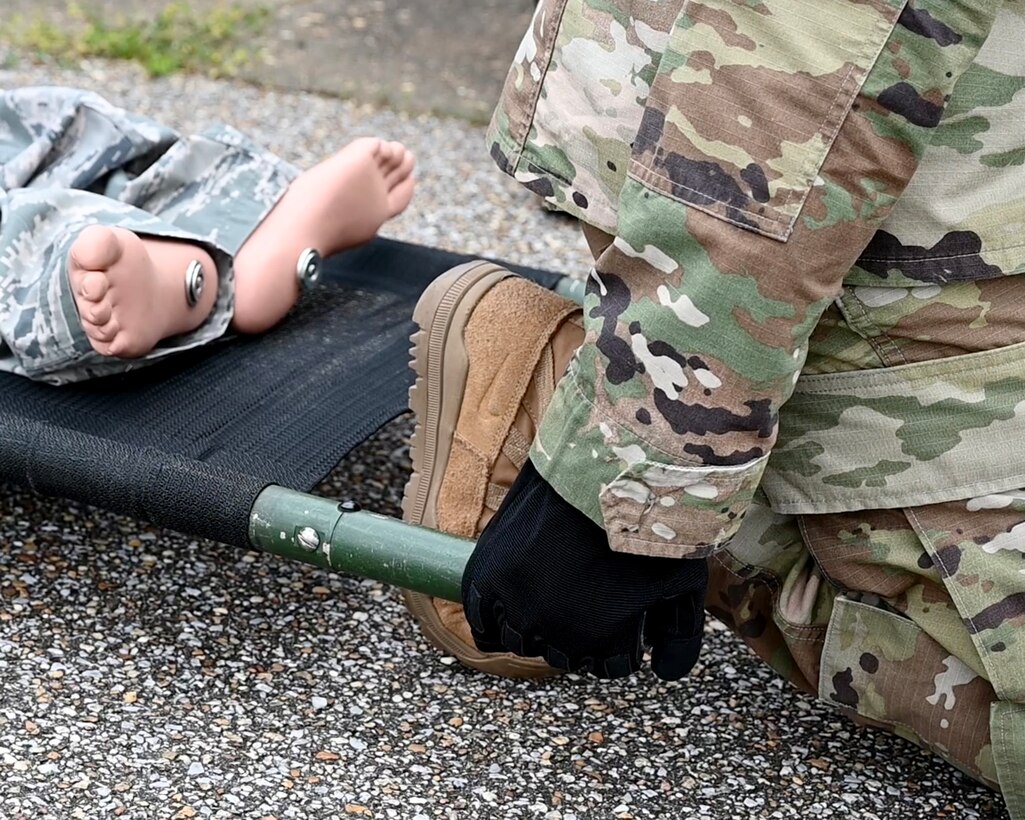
(887, 670)
(748, 100)
(975, 544)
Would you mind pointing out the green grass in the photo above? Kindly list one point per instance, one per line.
(178, 38)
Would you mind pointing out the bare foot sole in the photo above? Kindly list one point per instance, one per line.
(340, 203)
(131, 292)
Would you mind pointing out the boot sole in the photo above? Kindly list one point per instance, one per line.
(439, 360)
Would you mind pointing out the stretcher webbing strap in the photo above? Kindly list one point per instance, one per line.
(142, 482)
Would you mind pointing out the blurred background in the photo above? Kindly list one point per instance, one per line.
(445, 57)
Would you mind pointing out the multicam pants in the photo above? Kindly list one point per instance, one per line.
(862, 284)
(906, 619)
(865, 610)
(70, 159)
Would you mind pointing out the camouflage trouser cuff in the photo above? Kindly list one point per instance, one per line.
(576, 476)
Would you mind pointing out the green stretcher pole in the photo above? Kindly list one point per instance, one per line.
(339, 536)
(342, 537)
(571, 288)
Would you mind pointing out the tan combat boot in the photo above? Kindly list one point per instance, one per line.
(490, 348)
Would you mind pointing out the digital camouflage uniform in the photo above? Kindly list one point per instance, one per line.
(69, 159)
(739, 164)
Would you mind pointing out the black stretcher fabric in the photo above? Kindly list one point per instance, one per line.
(190, 442)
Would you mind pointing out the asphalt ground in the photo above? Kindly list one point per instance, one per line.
(145, 674)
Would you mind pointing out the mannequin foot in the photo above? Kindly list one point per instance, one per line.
(338, 204)
(130, 291)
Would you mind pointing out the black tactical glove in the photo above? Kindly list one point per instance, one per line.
(543, 581)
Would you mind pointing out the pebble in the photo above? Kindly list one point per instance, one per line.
(227, 650)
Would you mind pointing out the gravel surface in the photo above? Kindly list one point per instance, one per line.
(144, 674)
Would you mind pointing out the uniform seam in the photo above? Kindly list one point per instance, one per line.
(874, 501)
(808, 387)
(875, 332)
(984, 652)
(687, 551)
(1005, 729)
(921, 260)
(802, 527)
(784, 222)
(530, 111)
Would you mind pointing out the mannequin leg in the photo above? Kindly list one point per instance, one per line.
(130, 291)
(338, 204)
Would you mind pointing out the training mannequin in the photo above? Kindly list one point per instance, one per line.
(129, 290)
(121, 241)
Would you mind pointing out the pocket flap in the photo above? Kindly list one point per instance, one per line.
(748, 100)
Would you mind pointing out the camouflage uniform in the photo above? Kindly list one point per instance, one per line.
(779, 333)
(69, 159)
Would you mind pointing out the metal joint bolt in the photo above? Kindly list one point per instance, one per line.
(194, 282)
(308, 539)
(309, 266)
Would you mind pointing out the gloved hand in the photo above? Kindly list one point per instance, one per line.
(542, 581)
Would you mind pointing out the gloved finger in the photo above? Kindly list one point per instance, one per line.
(512, 640)
(618, 666)
(482, 615)
(628, 660)
(557, 658)
(675, 630)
